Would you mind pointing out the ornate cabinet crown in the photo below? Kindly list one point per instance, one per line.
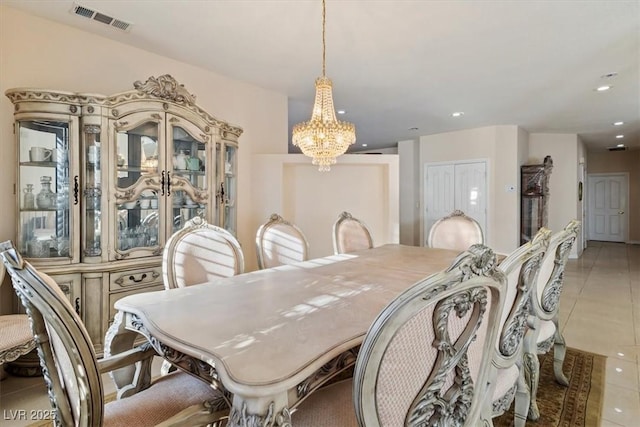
(103, 181)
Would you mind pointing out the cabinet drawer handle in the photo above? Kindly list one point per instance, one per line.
(78, 306)
(162, 184)
(76, 189)
(168, 183)
(132, 278)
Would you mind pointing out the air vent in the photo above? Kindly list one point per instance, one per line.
(85, 12)
(617, 148)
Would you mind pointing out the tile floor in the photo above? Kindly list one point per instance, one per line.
(600, 313)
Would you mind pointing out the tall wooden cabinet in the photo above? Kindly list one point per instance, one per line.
(534, 197)
(103, 181)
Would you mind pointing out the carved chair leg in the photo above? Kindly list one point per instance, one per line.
(559, 352)
(522, 400)
(532, 376)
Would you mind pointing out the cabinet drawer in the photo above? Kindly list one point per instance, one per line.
(118, 295)
(129, 279)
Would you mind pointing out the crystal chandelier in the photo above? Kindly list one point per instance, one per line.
(323, 138)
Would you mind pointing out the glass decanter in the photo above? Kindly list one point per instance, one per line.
(29, 199)
(45, 198)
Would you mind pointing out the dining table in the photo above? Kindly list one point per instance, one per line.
(269, 338)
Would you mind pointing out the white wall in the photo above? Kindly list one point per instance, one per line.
(409, 156)
(563, 183)
(500, 146)
(365, 186)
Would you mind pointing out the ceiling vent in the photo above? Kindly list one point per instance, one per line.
(617, 148)
(86, 12)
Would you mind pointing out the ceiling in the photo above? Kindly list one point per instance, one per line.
(406, 64)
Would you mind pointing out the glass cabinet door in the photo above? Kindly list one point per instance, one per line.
(45, 226)
(139, 185)
(190, 171)
(229, 196)
(92, 191)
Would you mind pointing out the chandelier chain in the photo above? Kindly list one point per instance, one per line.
(324, 44)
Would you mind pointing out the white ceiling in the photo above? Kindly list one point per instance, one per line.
(403, 64)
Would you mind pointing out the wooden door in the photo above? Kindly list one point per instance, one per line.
(607, 207)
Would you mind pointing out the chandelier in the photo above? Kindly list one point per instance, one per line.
(323, 138)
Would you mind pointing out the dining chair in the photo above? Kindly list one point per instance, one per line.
(425, 359)
(198, 253)
(544, 331)
(456, 231)
(73, 375)
(15, 335)
(350, 235)
(279, 242)
(521, 268)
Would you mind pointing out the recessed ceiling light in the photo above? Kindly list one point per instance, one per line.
(603, 88)
(609, 75)
(457, 114)
(620, 354)
(620, 145)
(618, 123)
(341, 112)
(619, 136)
(618, 370)
(364, 145)
(618, 410)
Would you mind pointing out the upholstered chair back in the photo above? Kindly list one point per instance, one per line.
(521, 268)
(279, 242)
(199, 253)
(507, 381)
(456, 231)
(427, 356)
(350, 235)
(66, 353)
(551, 277)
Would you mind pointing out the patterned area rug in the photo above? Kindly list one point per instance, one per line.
(579, 404)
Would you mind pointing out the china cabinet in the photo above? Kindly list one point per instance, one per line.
(534, 197)
(103, 181)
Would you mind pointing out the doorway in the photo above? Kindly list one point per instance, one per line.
(607, 207)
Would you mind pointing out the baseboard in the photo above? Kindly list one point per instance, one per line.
(633, 242)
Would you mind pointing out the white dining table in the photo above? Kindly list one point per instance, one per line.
(269, 338)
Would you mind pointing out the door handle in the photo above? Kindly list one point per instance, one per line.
(621, 212)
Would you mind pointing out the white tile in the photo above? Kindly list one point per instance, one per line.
(622, 373)
(621, 406)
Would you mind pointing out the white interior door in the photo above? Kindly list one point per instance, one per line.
(607, 207)
(471, 192)
(455, 186)
(439, 194)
